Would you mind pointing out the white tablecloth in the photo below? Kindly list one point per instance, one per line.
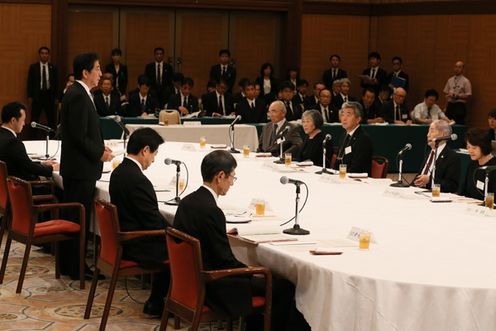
(432, 267)
(214, 134)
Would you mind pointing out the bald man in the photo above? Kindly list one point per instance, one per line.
(457, 90)
(329, 113)
(395, 111)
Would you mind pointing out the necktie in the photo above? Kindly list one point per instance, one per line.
(428, 112)
(221, 106)
(333, 73)
(343, 146)
(288, 108)
(252, 106)
(345, 99)
(44, 83)
(428, 163)
(273, 135)
(397, 114)
(373, 73)
(223, 70)
(325, 115)
(143, 105)
(159, 74)
(107, 101)
(185, 102)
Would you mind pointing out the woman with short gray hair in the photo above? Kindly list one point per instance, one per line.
(312, 122)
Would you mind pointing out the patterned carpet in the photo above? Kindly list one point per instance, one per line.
(47, 303)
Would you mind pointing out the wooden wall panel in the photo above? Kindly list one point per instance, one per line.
(25, 27)
(431, 45)
(323, 35)
(254, 40)
(90, 30)
(199, 37)
(141, 33)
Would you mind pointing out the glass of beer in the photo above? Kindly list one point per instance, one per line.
(203, 142)
(287, 159)
(342, 171)
(260, 207)
(364, 241)
(436, 190)
(489, 202)
(246, 150)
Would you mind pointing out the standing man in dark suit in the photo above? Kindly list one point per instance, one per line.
(43, 88)
(12, 150)
(107, 100)
(160, 74)
(118, 71)
(133, 195)
(293, 109)
(395, 111)
(199, 216)
(83, 150)
(447, 172)
(374, 76)
(142, 101)
(224, 70)
(355, 148)
(397, 77)
(184, 102)
(277, 128)
(334, 72)
(218, 103)
(251, 109)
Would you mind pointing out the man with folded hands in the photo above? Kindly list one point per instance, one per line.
(133, 195)
(199, 216)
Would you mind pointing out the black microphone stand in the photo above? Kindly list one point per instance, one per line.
(324, 152)
(231, 135)
(175, 201)
(296, 230)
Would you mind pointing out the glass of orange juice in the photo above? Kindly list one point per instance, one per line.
(342, 171)
(364, 241)
(260, 207)
(246, 150)
(203, 142)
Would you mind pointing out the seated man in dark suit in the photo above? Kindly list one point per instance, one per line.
(107, 100)
(184, 102)
(329, 113)
(12, 150)
(343, 95)
(199, 216)
(277, 128)
(301, 93)
(142, 102)
(238, 97)
(371, 112)
(224, 70)
(251, 109)
(293, 110)
(218, 103)
(447, 171)
(133, 195)
(491, 122)
(312, 101)
(395, 111)
(356, 147)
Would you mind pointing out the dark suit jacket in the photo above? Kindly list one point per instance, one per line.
(299, 99)
(257, 115)
(311, 103)
(133, 195)
(211, 104)
(134, 107)
(34, 81)
(337, 100)
(291, 145)
(13, 153)
(332, 115)
(388, 112)
(327, 77)
(474, 174)
(447, 171)
(403, 75)
(199, 216)
(101, 106)
(381, 76)
(229, 76)
(359, 159)
(161, 91)
(175, 103)
(372, 112)
(312, 150)
(82, 142)
(121, 76)
(274, 88)
(295, 114)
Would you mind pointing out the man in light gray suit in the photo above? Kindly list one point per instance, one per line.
(277, 128)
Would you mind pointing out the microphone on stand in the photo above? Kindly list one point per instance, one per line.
(281, 141)
(400, 182)
(231, 134)
(168, 161)
(117, 119)
(175, 201)
(324, 170)
(404, 149)
(452, 137)
(39, 126)
(295, 230)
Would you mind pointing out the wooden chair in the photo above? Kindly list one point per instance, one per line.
(379, 168)
(186, 298)
(169, 116)
(25, 229)
(110, 260)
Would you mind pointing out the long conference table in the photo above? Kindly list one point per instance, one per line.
(431, 266)
(387, 140)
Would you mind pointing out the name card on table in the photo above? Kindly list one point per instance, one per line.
(402, 193)
(192, 123)
(476, 210)
(355, 232)
(189, 148)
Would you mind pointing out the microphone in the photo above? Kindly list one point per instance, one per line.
(169, 161)
(406, 148)
(284, 180)
(117, 119)
(237, 119)
(327, 137)
(453, 137)
(35, 125)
